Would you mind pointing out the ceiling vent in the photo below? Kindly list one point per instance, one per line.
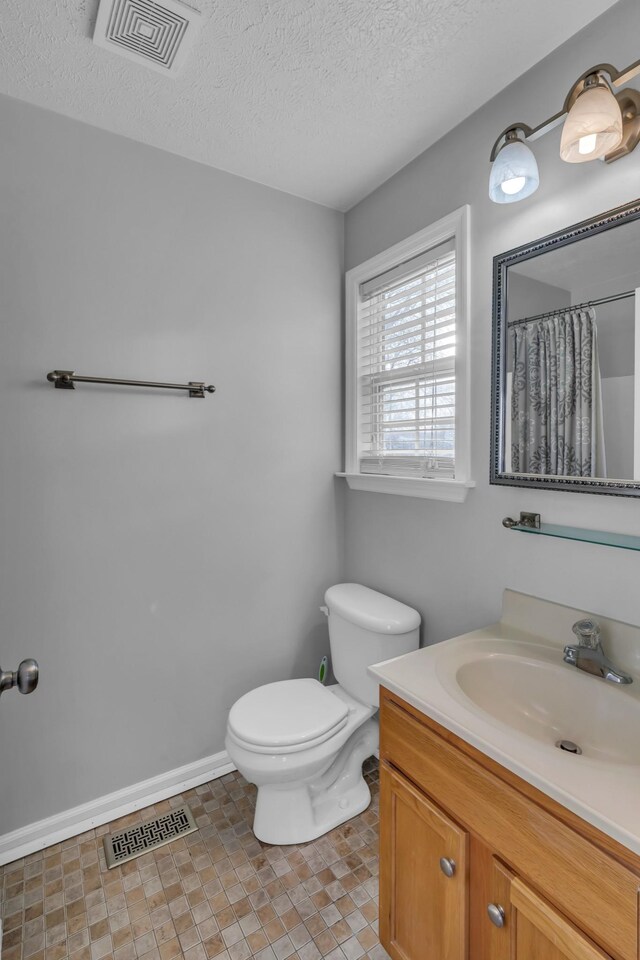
(157, 34)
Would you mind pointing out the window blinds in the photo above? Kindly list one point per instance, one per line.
(406, 367)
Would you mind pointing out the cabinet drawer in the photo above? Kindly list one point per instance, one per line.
(590, 887)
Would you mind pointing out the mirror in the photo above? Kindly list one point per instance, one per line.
(566, 359)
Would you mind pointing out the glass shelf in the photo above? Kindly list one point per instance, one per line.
(624, 540)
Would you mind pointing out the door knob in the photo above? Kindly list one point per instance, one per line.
(25, 678)
(447, 866)
(496, 914)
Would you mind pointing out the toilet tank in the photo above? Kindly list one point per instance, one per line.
(365, 627)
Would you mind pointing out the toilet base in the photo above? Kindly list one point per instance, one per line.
(301, 812)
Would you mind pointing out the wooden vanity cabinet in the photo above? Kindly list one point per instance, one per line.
(458, 833)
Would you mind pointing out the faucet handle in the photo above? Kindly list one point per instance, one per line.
(588, 632)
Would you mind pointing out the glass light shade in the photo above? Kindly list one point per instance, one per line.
(514, 173)
(593, 126)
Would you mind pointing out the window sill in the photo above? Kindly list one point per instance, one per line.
(455, 491)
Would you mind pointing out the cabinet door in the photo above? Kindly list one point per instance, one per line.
(535, 930)
(489, 883)
(423, 912)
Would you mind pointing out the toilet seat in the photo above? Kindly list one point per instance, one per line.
(287, 716)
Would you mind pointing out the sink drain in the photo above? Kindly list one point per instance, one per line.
(569, 746)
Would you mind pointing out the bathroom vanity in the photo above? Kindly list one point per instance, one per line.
(495, 843)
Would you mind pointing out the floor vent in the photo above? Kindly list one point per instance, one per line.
(157, 33)
(129, 844)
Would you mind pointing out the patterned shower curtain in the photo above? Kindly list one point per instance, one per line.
(556, 407)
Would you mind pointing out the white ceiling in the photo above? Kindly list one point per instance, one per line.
(324, 99)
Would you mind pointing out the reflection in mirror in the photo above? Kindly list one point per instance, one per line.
(569, 392)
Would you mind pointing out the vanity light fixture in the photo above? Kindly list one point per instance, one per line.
(600, 122)
(593, 127)
(514, 172)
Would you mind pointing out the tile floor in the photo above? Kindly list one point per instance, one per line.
(215, 893)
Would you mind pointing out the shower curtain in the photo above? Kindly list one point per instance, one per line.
(556, 405)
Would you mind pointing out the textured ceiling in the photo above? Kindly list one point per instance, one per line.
(322, 98)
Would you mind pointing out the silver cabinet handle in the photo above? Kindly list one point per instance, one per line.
(447, 866)
(25, 678)
(496, 914)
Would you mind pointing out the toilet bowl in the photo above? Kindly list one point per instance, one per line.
(303, 744)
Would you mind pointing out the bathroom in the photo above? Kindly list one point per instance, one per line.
(163, 557)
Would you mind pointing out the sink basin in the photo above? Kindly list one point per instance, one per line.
(506, 691)
(549, 701)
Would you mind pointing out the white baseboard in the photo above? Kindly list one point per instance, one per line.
(70, 823)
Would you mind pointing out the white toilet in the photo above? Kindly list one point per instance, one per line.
(304, 744)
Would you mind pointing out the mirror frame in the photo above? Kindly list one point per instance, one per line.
(579, 231)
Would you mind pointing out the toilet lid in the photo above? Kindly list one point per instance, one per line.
(286, 713)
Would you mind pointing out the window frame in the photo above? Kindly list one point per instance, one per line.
(455, 225)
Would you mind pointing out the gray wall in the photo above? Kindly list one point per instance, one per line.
(615, 321)
(453, 561)
(527, 297)
(616, 352)
(617, 417)
(159, 555)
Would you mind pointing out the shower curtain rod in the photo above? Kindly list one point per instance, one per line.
(577, 306)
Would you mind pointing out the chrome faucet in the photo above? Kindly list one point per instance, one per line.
(588, 654)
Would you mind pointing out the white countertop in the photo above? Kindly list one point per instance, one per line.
(598, 788)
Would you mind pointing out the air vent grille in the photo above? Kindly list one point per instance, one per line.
(133, 842)
(158, 34)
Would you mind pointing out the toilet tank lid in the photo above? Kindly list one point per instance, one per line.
(369, 609)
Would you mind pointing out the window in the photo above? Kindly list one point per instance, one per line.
(407, 394)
